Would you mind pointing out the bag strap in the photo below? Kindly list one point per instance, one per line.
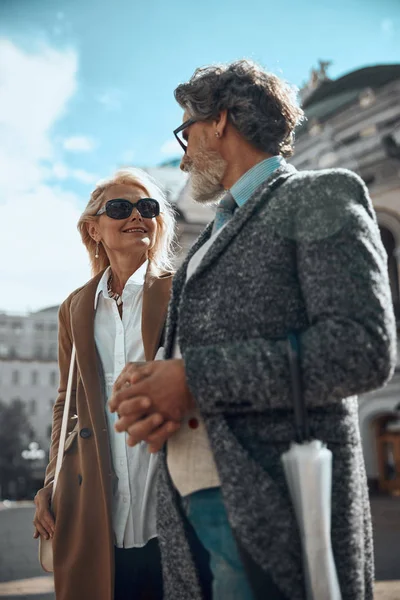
(300, 411)
(64, 423)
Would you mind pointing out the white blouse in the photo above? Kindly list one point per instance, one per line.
(119, 341)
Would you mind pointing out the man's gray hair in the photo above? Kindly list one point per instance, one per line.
(261, 106)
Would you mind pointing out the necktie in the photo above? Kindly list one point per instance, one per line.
(224, 212)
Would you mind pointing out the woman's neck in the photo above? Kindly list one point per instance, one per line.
(122, 269)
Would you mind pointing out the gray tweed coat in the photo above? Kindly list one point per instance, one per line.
(303, 255)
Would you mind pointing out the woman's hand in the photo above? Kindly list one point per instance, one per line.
(43, 519)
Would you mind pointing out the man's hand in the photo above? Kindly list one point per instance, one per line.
(151, 401)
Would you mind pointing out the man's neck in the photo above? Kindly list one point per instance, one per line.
(240, 163)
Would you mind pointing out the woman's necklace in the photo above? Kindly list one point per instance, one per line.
(112, 294)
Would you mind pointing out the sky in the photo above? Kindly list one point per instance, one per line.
(87, 86)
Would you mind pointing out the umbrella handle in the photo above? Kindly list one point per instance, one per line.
(300, 412)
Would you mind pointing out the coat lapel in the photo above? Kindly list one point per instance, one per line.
(89, 367)
(156, 294)
(177, 287)
(242, 215)
(82, 325)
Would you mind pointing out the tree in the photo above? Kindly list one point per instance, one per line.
(15, 434)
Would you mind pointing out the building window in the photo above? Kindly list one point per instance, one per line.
(39, 326)
(33, 407)
(35, 377)
(16, 327)
(53, 378)
(53, 327)
(38, 352)
(53, 351)
(15, 377)
(4, 350)
(367, 98)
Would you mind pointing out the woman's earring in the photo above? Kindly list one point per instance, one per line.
(97, 250)
(217, 134)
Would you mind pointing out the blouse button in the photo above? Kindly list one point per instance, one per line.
(193, 423)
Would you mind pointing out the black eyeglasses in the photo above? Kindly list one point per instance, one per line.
(181, 129)
(148, 208)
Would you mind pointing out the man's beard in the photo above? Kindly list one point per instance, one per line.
(206, 171)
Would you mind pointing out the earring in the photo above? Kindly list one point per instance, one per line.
(97, 250)
(217, 134)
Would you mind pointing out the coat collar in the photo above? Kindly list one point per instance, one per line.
(242, 215)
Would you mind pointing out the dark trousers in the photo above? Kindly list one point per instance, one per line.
(138, 574)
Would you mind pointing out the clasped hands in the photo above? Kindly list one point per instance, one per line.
(151, 400)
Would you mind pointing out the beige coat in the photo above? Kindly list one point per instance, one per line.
(83, 541)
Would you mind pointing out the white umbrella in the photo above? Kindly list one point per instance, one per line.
(308, 471)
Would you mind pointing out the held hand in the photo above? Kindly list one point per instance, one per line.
(43, 519)
(151, 401)
(153, 430)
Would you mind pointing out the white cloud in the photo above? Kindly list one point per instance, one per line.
(387, 27)
(42, 257)
(48, 260)
(111, 99)
(79, 143)
(62, 172)
(128, 157)
(84, 176)
(170, 148)
(34, 91)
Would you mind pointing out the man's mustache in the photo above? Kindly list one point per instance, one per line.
(187, 164)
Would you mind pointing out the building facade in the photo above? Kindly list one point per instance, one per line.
(28, 366)
(354, 122)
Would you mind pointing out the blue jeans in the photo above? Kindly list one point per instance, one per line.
(206, 512)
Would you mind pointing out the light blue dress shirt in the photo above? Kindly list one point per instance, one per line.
(254, 177)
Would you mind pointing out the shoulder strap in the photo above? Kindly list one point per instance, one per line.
(64, 423)
(300, 411)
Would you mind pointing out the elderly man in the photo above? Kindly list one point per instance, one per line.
(288, 252)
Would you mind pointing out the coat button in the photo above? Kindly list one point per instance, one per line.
(85, 433)
(193, 423)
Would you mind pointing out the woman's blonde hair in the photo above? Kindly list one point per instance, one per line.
(161, 254)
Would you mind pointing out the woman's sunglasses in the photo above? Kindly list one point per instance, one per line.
(122, 209)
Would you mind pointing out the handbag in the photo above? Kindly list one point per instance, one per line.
(46, 546)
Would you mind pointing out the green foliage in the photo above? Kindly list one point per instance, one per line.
(15, 435)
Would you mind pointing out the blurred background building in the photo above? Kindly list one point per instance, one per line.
(352, 122)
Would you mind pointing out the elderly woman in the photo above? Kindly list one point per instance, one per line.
(104, 529)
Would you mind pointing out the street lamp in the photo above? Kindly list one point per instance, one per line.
(34, 452)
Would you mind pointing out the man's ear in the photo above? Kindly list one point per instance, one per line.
(220, 123)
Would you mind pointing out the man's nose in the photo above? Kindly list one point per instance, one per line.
(184, 163)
